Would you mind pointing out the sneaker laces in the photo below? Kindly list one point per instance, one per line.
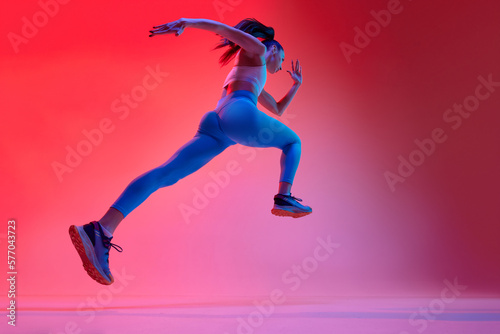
(296, 198)
(292, 197)
(108, 244)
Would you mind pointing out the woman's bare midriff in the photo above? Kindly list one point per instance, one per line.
(238, 85)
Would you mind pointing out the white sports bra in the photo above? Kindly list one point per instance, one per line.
(254, 74)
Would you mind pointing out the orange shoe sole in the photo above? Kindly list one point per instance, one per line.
(284, 213)
(87, 265)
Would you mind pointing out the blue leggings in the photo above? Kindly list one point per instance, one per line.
(236, 119)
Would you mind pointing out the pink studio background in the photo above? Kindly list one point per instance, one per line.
(354, 120)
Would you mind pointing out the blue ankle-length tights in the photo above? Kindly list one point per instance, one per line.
(236, 119)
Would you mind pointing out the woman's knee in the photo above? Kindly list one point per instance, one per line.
(292, 144)
(284, 134)
(277, 134)
(293, 139)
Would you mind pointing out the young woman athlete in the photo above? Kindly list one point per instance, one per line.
(235, 119)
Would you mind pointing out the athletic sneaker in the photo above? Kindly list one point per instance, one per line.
(93, 247)
(289, 206)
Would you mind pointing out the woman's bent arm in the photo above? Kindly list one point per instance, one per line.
(246, 41)
(278, 108)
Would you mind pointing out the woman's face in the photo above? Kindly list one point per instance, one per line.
(274, 59)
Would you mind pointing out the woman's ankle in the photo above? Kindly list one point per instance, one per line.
(111, 219)
(285, 188)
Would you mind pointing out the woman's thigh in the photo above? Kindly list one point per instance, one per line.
(243, 123)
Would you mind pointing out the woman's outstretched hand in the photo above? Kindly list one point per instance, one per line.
(296, 73)
(175, 27)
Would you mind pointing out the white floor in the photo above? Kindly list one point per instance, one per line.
(341, 316)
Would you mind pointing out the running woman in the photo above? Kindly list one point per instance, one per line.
(235, 120)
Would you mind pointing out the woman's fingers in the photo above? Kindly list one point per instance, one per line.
(164, 29)
(296, 68)
(175, 27)
(165, 26)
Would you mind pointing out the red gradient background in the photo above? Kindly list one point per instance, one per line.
(354, 120)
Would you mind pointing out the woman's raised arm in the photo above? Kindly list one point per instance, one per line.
(246, 41)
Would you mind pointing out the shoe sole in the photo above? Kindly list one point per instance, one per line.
(85, 249)
(285, 213)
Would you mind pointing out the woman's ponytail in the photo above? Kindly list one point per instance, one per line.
(250, 26)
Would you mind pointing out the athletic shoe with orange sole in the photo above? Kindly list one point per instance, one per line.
(93, 247)
(289, 206)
